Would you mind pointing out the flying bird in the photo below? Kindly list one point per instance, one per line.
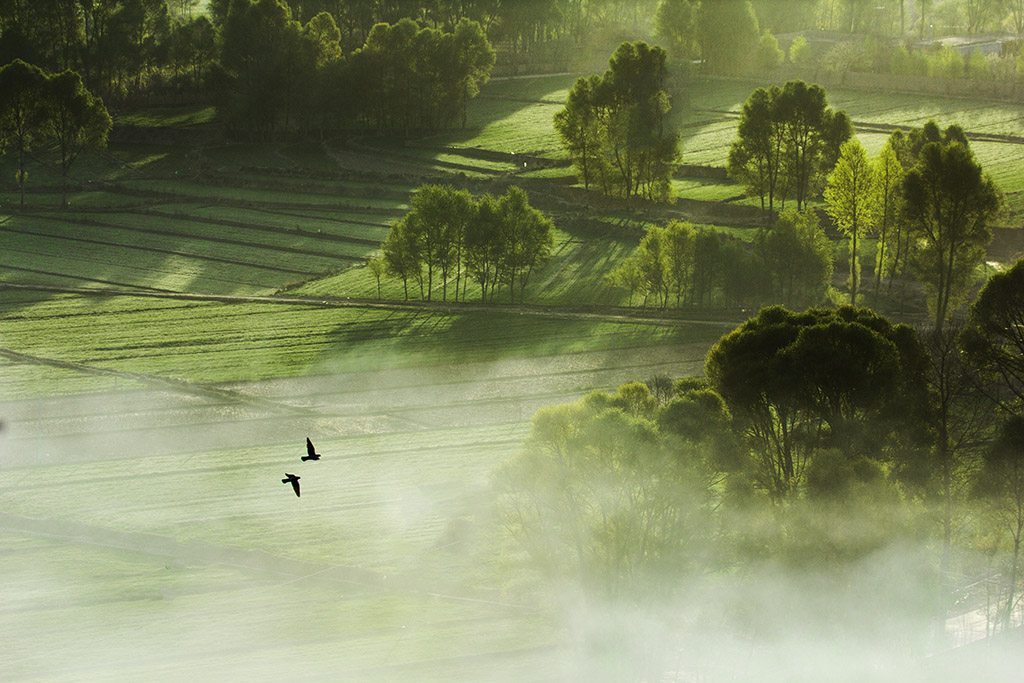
(294, 480)
(311, 452)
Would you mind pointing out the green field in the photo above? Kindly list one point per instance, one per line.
(169, 339)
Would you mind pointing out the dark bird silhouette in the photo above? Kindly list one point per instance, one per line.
(294, 480)
(311, 453)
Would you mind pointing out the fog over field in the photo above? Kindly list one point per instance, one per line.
(147, 536)
(642, 341)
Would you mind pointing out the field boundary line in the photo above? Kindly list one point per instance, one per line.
(444, 308)
(168, 383)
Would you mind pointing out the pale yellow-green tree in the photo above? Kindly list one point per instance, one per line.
(889, 201)
(850, 201)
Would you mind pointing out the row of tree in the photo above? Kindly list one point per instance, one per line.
(787, 142)
(449, 238)
(817, 440)
(927, 201)
(613, 126)
(275, 73)
(39, 109)
(683, 265)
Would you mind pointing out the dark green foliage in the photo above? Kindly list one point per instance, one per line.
(799, 382)
(21, 111)
(994, 336)
(74, 120)
(613, 126)
(797, 259)
(727, 33)
(949, 203)
(788, 141)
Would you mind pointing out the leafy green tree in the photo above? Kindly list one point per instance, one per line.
(797, 257)
(756, 157)
(800, 51)
(266, 63)
(402, 252)
(768, 56)
(851, 201)
(708, 265)
(674, 24)
(376, 266)
(582, 132)
(483, 246)
(727, 32)
(623, 115)
(679, 257)
(193, 48)
(598, 499)
(325, 36)
(627, 276)
(21, 112)
(653, 266)
(812, 133)
(74, 119)
(890, 229)
(950, 203)
(526, 239)
(994, 336)
(823, 379)
(474, 57)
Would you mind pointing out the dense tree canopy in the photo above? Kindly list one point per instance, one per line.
(449, 236)
(949, 203)
(788, 140)
(802, 382)
(613, 126)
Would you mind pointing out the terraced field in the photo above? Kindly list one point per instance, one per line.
(145, 428)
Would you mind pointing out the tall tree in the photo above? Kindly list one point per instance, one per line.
(850, 200)
(950, 203)
(797, 255)
(21, 113)
(889, 226)
(757, 155)
(526, 239)
(74, 119)
(626, 119)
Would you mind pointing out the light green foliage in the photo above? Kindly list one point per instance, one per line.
(978, 67)
(613, 126)
(448, 234)
(850, 199)
(767, 55)
(602, 502)
(325, 37)
(946, 63)
(800, 51)
(906, 62)
(893, 236)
